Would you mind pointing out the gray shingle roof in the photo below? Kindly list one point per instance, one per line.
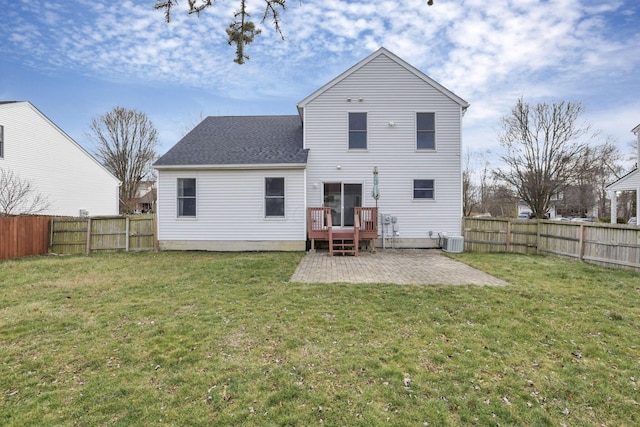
(239, 140)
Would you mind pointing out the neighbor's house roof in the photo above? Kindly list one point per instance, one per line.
(239, 142)
(630, 181)
(383, 51)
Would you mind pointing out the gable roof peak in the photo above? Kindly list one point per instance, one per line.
(386, 52)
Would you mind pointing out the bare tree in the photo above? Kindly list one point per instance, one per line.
(601, 166)
(193, 122)
(19, 195)
(544, 146)
(633, 144)
(500, 199)
(125, 142)
(484, 175)
(469, 189)
(242, 30)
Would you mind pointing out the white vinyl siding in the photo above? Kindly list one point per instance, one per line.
(232, 212)
(392, 95)
(60, 169)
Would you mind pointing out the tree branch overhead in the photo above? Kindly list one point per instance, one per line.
(241, 31)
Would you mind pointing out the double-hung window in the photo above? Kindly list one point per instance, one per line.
(357, 131)
(426, 131)
(424, 189)
(1, 141)
(274, 197)
(186, 197)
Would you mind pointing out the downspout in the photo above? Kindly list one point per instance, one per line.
(305, 205)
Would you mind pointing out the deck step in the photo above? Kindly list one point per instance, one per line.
(344, 243)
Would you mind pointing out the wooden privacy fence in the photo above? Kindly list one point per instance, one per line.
(23, 236)
(85, 235)
(611, 245)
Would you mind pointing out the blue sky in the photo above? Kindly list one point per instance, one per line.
(77, 59)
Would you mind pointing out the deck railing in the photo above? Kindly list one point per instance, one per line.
(318, 222)
(319, 225)
(368, 221)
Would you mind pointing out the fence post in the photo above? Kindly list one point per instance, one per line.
(126, 232)
(508, 237)
(87, 250)
(155, 233)
(51, 224)
(581, 242)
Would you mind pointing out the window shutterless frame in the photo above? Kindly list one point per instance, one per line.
(357, 131)
(274, 197)
(425, 131)
(424, 189)
(186, 199)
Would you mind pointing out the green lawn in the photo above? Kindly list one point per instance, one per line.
(192, 339)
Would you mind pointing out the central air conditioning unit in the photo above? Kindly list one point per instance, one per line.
(453, 244)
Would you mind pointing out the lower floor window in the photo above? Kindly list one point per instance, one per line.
(273, 197)
(186, 197)
(423, 189)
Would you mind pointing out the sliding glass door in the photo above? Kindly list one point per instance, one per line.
(342, 198)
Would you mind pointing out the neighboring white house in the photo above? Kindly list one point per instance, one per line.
(630, 181)
(35, 149)
(245, 183)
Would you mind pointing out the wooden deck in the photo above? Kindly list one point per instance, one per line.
(344, 241)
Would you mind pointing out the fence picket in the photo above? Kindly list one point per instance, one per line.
(23, 236)
(611, 245)
(85, 235)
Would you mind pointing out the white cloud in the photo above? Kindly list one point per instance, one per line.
(489, 53)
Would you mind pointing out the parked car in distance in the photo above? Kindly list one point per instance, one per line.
(529, 215)
(633, 221)
(586, 219)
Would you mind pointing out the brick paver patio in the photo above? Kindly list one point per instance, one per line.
(399, 266)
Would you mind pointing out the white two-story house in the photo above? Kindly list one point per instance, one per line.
(248, 182)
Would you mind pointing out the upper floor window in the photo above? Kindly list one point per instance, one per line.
(273, 197)
(357, 131)
(425, 131)
(424, 189)
(186, 197)
(1, 141)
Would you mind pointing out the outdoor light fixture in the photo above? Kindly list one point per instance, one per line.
(392, 124)
(338, 167)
